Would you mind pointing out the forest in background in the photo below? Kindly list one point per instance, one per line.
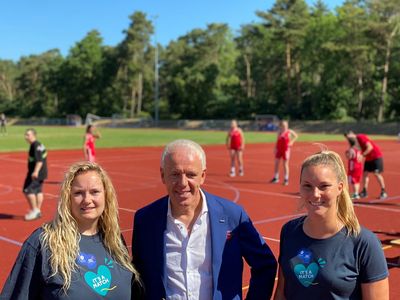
(298, 61)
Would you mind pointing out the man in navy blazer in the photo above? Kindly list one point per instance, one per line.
(190, 244)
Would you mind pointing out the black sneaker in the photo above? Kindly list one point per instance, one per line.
(355, 196)
(363, 193)
(274, 180)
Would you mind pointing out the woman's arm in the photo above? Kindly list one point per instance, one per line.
(378, 290)
(242, 137)
(279, 294)
(293, 137)
(228, 140)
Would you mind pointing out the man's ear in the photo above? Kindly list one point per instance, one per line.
(203, 176)
(162, 175)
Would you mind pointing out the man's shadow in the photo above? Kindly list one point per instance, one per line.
(10, 217)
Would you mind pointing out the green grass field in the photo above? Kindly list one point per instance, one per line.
(59, 137)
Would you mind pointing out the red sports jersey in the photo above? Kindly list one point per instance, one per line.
(89, 146)
(375, 152)
(236, 139)
(282, 145)
(354, 166)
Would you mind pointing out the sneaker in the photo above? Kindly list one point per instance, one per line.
(33, 215)
(286, 182)
(363, 193)
(241, 173)
(355, 196)
(383, 195)
(274, 180)
(232, 174)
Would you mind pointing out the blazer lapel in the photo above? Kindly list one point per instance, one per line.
(218, 224)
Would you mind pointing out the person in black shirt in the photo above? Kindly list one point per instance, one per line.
(37, 173)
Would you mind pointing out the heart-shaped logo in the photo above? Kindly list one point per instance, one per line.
(99, 282)
(305, 275)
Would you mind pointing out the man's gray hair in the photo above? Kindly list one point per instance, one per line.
(192, 147)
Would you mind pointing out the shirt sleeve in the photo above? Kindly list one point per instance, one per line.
(260, 258)
(39, 152)
(373, 266)
(24, 281)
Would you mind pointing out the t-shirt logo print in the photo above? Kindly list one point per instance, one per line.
(100, 282)
(307, 272)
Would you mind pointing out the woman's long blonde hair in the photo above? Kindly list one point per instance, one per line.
(345, 208)
(61, 236)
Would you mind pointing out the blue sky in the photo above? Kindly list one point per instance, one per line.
(35, 26)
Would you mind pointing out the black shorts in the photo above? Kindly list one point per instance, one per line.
(374, 166)
(32, 186)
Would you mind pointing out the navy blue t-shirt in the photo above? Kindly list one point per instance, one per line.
(332, 268)
(98, 275)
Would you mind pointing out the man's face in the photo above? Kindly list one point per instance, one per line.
(29, 137)
(183, 175)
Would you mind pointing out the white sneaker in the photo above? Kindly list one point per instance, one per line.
(232, 174)
(33, 215)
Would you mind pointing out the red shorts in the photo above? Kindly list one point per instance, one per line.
(285, 155)
(355, 176)
(235, 147)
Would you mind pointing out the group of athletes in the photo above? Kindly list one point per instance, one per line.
(364, 157)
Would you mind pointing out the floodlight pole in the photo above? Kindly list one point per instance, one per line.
(156, 83)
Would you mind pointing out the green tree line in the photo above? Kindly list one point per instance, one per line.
(297, 61)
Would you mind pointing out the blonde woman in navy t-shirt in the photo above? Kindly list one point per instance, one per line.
(327, 254)
(81, 253)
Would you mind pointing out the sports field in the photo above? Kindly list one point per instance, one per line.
(134, 168)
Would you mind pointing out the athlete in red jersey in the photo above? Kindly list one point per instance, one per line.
(235, 145)
(354, 168)
(286, 138)
(373, 162)
(89, 143)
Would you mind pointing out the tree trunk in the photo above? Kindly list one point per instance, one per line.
(140, 93)
(360, 92)
(249, 82)
(122, 76)
(298, 81)
(288, 73)
(133, 101)
(384, 80)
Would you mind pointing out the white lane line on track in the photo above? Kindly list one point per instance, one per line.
(270, 220)
(377, 207)
(11, 241)
(271, 239)
(269, 193)
(228, 186)
(384, 200)
(127, 209)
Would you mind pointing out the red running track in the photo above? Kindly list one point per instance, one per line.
(135, 173)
